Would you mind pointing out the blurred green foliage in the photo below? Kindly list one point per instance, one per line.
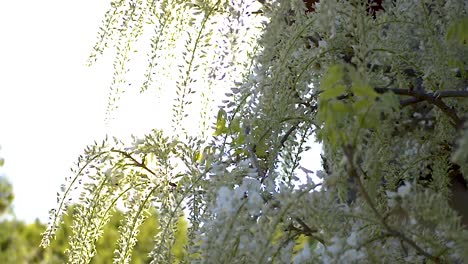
(6, 192)
(6, 195)
(19, 242)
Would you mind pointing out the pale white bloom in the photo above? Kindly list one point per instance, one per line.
(218, 168)
(351, 255)
(404, 190)
(336, 246)
(108, 172)
(297, 54)
(139, 141)
(303, 255)
(322, 44)
(391, 194)
(224, 200)
(240, 192)
(254, 202)
(244, 163)
(352, 240)
(252, 173)
(320, 174)
(251, 184)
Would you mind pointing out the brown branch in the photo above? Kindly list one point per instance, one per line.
(410, 101)
(433, 98)
(417, 93)
(451, 94)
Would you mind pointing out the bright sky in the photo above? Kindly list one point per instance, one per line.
(51, 104)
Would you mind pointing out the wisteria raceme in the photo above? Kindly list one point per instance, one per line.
(382, 85)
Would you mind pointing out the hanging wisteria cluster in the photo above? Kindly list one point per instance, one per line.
(383, 85)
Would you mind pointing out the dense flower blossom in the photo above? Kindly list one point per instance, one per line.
(383, 90)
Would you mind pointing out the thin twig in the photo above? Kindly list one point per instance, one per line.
(136, 162)
(288, 133)
(306, 230)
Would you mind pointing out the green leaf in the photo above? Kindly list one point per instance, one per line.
(333, 92)
(339, 107)
(322, 111)
(458, 65)
(361, 105)
(181, 239)
(390, 101)
(331, 84)
(239, 140)
(199, 156)
(239, 151)
(220, 122)
(299, 243)
(261, 150)
(458, 31)
(235, 126)
(333, 75)
(364, 90)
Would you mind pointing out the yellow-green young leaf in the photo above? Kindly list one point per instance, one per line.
(330, 122)
(332, 138)
(332, 77)
(234, 126)
(239, 151)
(181, 239)
(209, 160)
(333, 92)
(322, 111)
(199, 156)
(220, 122)
(320, 136)
(458, 31)
(328, 136)
(361, 105)
(277, 235)
(300, 243)
(455, 63)
(239, 140)
(369, 119)
(459, 65)
(364, 90)
(261, 150)
(339, 108)
(390, 102)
